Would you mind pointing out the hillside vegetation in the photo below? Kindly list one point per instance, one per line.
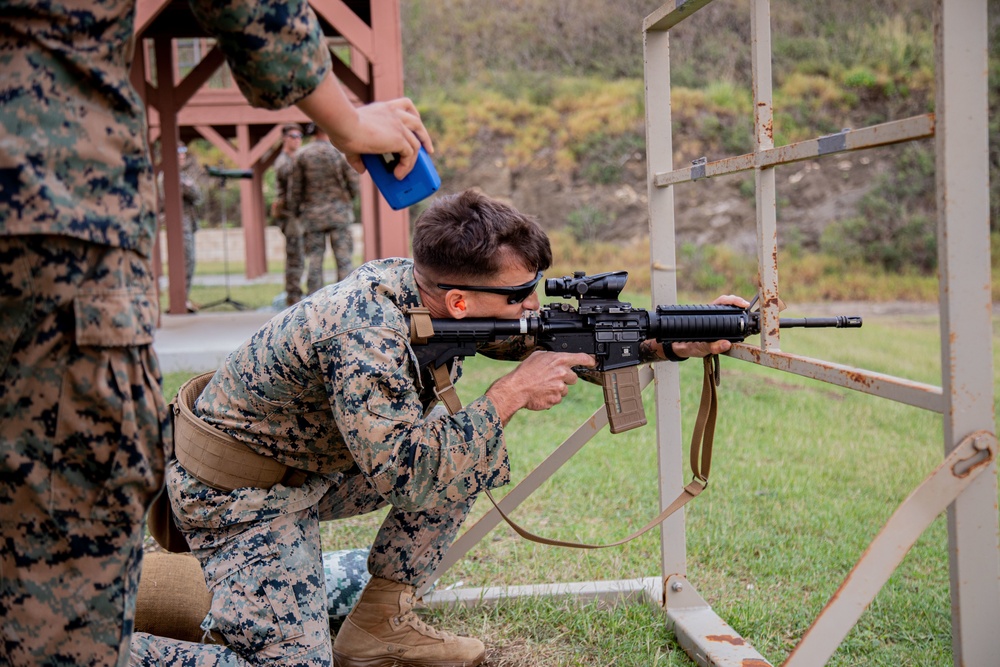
(542, 102)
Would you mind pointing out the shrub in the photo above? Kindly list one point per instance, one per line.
(586, 223)
(895, 227)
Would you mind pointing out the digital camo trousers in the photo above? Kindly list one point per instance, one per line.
(190, 248)
(343, 249)
(81, 451)
(269, 598)
(295, 258)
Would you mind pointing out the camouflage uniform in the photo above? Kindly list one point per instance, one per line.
(191, 199)
(81, 446)
(291, 228)
(329, 387)
(322, 195)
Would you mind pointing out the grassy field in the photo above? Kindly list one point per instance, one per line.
(804, 476)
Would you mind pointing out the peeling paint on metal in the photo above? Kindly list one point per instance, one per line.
(735, 640)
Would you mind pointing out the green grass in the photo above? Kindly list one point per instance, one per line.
(804, 476)
(252, 296)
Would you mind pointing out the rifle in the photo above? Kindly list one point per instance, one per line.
(608, 329)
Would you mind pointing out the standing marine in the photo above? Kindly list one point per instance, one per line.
(83, 418)
(322, 195)
(291, 228)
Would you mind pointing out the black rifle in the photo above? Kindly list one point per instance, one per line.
(608, 329)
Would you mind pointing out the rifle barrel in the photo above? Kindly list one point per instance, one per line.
(838, 322)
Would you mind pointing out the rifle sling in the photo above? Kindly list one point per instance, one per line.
(701, 462)
(421, 329)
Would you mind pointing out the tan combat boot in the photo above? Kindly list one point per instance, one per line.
(382, 631)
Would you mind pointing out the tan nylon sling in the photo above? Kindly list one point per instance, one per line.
(702, 438)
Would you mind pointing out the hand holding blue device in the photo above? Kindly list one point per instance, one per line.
(421, 182)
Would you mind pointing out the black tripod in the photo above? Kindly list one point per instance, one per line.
(223, 175)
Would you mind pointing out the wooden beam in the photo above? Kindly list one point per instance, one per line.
(172, 204)
(197, 77)
(219, 142)
(145, 12)
(347, 23)
(361, 66)
(390, 229)
(387, 64)
(265, 144)
(361, 90)
(253, 222)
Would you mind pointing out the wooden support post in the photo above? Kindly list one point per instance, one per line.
(172, 203)
(391, 229)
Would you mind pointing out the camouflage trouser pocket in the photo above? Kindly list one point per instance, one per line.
(109, 458)
(82, 411)
(253, 597)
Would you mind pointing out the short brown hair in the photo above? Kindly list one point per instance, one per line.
(290, 127)
(471, 236)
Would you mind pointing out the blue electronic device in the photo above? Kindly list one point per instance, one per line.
(421, 182)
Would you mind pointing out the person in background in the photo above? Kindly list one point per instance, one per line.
(191, 199)
(321, 195)
(85, 425)
(291, 228)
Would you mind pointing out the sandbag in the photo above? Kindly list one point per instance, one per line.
(173, 599)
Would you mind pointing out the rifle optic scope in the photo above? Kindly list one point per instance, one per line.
(581, 286)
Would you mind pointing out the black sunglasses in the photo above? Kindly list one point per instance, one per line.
(515, 294)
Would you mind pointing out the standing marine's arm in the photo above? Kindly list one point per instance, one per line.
(275, 48)
(282, 174)
(296, 186)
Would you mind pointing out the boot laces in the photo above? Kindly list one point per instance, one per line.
(410, 618)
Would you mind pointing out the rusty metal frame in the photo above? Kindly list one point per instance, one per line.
(965, 483)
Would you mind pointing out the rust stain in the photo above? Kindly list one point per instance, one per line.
(769, 129)
(858, 377)
(754, 662)
(727, 639)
